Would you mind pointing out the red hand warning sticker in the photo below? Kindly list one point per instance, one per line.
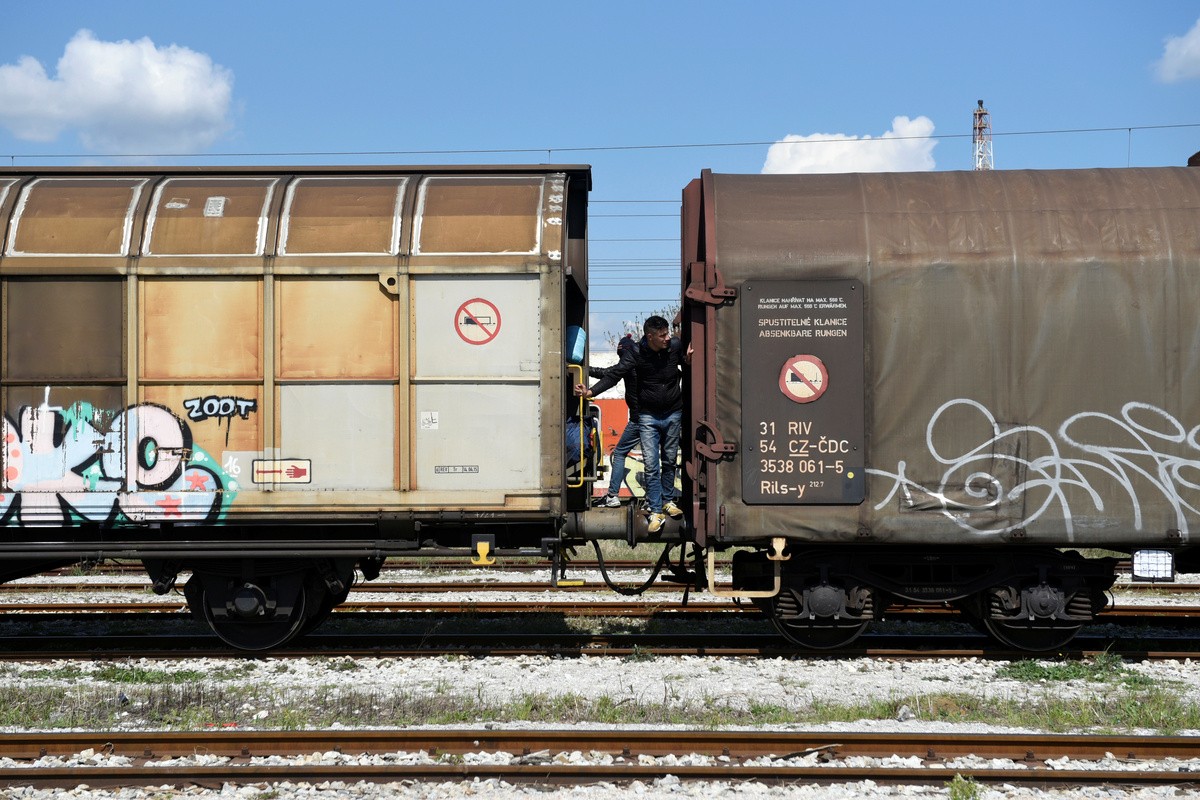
(286, 470)
(803, 378)
(477, 321)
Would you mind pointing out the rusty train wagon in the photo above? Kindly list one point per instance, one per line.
(941, 386)
(268, 377)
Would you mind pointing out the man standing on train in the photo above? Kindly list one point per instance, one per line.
(655, 365)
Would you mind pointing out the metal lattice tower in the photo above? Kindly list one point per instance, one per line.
(981, 138)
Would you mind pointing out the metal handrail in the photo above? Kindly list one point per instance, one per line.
(582, 444)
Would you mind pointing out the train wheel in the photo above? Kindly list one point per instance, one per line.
(821, 615)
(1023, 636)
(255, 614)
(815, 618)
(818, 637)
(1037, 617)
(329, 601)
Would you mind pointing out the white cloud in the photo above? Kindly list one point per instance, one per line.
(119, 97)
(1181, 57)
(905, 148)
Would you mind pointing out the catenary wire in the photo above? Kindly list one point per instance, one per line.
(604, 148)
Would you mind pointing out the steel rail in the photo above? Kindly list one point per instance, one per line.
(657, 742)
(533, 752)
(572, 775)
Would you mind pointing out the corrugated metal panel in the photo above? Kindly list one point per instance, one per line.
(479, 215)
(336, 328)
(345, 431)
(486, 326)
(64, 329)
(341, 216)
(477, 438)
(221, 417)
(83, 216)
(201, 329)
(1029, 336)
(52, 434)
(209, 216)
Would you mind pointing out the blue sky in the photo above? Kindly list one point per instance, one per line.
(579, 82)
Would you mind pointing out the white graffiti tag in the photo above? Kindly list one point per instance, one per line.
(1144, 450)
(63, 465)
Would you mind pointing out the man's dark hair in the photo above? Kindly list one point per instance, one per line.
(654, 323)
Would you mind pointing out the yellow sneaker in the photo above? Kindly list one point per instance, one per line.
(657, 520)
(671, 510)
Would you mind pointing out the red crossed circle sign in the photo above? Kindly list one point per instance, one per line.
(803, 378)
(477, 321)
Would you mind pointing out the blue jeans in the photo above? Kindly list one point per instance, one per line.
(630, 437)
(660, 448)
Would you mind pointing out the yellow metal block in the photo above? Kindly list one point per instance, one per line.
(481, 555)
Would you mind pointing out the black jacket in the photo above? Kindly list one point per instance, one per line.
(626, 343)
(656, 377)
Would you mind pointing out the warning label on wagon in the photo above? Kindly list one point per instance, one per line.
(477, 321)
(803, 392)
(456, 469)
(283, 470)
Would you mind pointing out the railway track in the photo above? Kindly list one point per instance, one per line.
(119, 758)
(386, 626)
(639, 609)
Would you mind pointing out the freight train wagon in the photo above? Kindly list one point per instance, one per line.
(270, 377)
(940, 386)
(932, 387)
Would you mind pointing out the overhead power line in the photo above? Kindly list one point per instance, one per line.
(549, 151)
(646, 299)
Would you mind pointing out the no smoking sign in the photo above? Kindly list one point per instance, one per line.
(477, 321)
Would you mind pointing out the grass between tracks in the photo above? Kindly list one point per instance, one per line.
(1115, 698)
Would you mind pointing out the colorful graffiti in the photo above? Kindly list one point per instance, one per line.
(1146, 455)
(64, 466)
(202, 408)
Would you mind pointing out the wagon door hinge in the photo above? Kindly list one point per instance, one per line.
(705, 285)
(716, 450)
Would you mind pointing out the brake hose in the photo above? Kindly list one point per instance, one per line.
(662, 559)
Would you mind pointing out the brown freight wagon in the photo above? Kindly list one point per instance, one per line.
(933, 386)
(272, 376)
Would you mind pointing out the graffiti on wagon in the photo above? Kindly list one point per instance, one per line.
(62, 466)
(1144, 458)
